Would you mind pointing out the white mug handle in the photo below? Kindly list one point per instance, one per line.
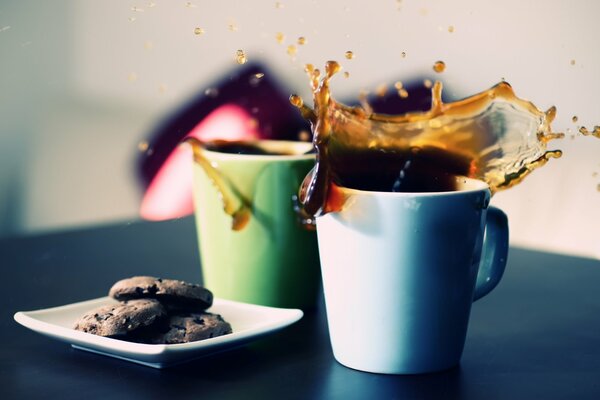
(495, 251)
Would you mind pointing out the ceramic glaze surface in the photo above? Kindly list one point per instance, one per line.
(273, 260)
(399, 274)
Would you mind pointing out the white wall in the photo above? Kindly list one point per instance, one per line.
(33, 71)
(69, 106)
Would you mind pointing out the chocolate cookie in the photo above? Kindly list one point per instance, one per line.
(186, 328)
(121, 319)
(171, 293)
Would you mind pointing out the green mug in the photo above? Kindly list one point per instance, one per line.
(270, 258)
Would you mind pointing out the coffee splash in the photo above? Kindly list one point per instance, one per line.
(234, 204)
(493, 136)
(238, 207)
(590, 132)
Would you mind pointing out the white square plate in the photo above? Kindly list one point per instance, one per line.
(248, 322)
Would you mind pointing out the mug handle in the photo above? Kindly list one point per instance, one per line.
(495, 251)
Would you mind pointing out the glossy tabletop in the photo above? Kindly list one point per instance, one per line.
(537, 335)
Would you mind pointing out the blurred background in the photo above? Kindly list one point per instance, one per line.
(83, 84)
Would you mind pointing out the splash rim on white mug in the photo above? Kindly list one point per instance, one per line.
(463, 185)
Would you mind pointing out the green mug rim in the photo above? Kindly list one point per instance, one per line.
(298, 147)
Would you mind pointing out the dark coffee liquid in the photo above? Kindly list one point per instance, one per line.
(239, 147)
(417, 169)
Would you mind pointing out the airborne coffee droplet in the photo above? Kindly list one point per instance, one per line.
(381, 90)
(240, 57)
(280, 37)
(439, 66)
(292, 50)
(143, 146)
(296, 100)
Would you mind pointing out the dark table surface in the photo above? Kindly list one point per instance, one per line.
(536, 336)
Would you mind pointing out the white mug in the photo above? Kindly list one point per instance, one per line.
(401, 270)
